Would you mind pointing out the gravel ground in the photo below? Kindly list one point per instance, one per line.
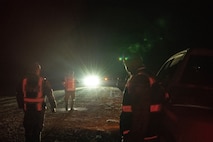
(94, 119)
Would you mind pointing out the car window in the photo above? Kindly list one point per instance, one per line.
(198, 71)
(164, 70)
(168, 69)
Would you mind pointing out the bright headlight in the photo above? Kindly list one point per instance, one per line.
(92, 81)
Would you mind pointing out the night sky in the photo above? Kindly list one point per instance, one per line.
(89, 35)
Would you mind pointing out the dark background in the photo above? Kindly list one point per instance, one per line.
(89, 35)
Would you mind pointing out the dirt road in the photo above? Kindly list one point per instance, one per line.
(95, 118)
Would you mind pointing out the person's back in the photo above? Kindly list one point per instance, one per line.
(31, 98)
(137, 101)
(69, 82)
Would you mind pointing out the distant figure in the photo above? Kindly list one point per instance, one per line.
(69, 87)
(31, 96)
(139, 106)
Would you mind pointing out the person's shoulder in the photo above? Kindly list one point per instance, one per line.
(148, 72)
(144, 72)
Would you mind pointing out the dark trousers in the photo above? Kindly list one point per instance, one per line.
(33, 124)
(138, 124)
(69, 95)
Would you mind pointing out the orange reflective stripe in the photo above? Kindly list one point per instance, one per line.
(38, 100)
(40, 87)
(127, 108)
(24, 83)
(126, 132)
(39, 106)
(166, 95)
(151, 138)
(155, 108)
(70, 84)
(24, 86)
(39, 96)
(151, 81)
(34, 100)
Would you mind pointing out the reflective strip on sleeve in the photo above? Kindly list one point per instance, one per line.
(127, 108)
(126, 132)
(155, 108)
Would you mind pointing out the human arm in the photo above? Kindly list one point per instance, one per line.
(48, 91)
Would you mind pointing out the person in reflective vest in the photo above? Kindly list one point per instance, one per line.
(69, 87)
(31, 97)
(138, 104)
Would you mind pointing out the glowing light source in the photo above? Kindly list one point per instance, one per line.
(91, 81)
(122, 58)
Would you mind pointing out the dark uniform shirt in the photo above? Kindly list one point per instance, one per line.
(137, 105)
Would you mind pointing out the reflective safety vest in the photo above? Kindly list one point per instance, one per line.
(36, 100)
(69, 83)
(153, 107)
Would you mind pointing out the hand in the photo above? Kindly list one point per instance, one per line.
(54, 110)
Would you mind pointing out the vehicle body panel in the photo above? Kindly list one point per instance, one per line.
(188, 79)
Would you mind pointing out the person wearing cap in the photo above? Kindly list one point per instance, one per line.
(136, 105)
(31, 94)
